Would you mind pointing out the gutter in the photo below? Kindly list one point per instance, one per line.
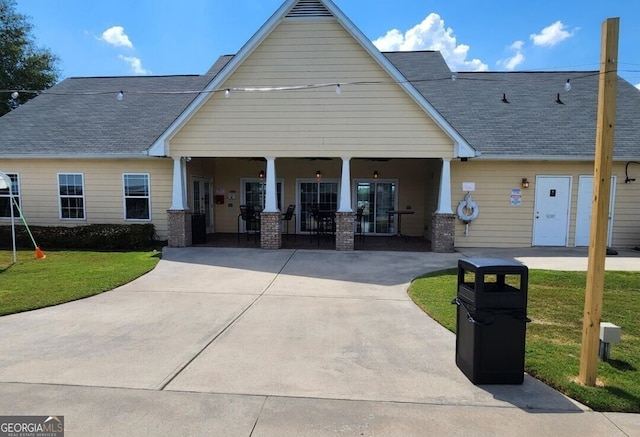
(78, 156)
(559, 158)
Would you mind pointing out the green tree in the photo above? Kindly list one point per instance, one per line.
(23, 65)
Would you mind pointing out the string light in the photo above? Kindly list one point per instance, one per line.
(337, 86)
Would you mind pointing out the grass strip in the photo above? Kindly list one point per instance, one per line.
(65, 276)
(553, 343)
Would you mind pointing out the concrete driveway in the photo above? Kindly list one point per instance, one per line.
(245, 342)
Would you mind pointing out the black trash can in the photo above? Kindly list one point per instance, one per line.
(491, 320)
(198, 229)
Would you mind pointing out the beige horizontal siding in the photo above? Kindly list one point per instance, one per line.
(626, 214)
(365, 120)
(501, 225)
(103, 190)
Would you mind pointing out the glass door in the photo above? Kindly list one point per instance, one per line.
(201, 200)
(314, 192)
(253, 195)
(377, 198)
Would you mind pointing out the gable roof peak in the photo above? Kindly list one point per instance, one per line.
(302, 9)
(309, 9)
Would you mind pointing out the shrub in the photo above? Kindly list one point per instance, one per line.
(94, 237)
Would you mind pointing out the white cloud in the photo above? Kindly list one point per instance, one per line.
(431, 34)
(517, 45)
(135, 64)
(551, 35)
(638, 86)
(116, 37)
(518, 58)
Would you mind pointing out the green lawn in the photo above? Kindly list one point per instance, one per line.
(65, 276)
(556, 305)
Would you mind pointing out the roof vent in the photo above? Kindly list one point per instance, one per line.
(309, 9)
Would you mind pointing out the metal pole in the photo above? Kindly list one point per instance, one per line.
(33, 240)
(9, 183)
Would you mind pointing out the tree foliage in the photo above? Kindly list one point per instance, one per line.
(23, 65)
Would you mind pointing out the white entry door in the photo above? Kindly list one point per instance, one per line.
(583, 214)
(551, 220)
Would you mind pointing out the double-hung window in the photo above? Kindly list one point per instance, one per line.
(71, 196)
(137, 198)
(5, 200)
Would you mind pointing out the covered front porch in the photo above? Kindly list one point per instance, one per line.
(387, 202)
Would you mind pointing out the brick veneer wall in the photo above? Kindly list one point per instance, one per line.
(345, 231)
(443, 233)
(270, 230)
(179, 228)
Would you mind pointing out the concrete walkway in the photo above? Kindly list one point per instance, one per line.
(245, 342)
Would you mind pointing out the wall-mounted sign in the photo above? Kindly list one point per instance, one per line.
(516, 197)
(468, 186)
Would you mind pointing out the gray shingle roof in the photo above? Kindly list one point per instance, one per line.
(82, 117)
(532, 123)
(66, 122)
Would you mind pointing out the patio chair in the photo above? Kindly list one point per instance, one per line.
(251, 219)
(359, 222)
(324, 222)
(287, 217)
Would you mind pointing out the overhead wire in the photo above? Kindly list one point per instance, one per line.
(466, 76)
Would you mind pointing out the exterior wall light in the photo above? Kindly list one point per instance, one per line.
(318, 174)
(525, 183)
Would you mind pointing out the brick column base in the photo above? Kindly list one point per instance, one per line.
(443, 233)
(179, 228)
(270, 231)
(345, 231)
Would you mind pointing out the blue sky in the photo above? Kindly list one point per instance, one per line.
(160, 37)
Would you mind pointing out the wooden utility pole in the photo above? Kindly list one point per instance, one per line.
(600, 205)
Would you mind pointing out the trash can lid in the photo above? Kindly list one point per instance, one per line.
(491, 262)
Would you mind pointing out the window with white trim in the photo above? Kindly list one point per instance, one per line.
(137, 198)
(5, 201)
(71, 196)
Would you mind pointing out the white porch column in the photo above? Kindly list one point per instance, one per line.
(444, 198)
(178, 200)
(271, 201)
(345, 186)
